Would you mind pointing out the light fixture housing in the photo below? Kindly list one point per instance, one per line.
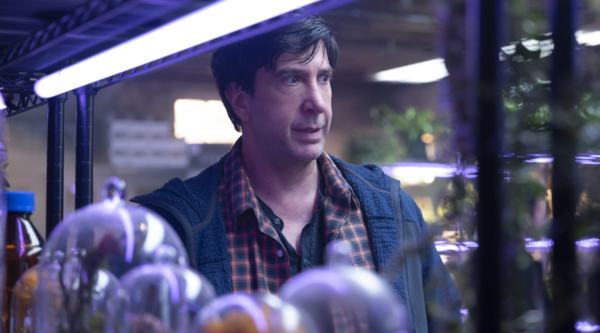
(208, 23)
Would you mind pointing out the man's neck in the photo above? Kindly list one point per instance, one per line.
(291, 190)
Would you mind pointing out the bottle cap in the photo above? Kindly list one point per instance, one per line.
(20, 201)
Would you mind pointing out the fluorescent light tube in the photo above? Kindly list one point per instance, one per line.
(589, 38)
(2, 103)
(198, 121)
(434, 70)
(210, 22)
(422, 72)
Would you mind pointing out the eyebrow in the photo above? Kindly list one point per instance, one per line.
(295, 71)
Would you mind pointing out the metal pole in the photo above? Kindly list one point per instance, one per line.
(84, 159)
(564, 144)
(55, 162)
(485, 17)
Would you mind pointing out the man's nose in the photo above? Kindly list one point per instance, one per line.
(317, 98)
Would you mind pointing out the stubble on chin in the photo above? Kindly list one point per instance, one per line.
(311, 152)
(282, 150)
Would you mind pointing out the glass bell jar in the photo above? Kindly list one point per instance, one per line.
(158, 298)
(89, 251)
(66, 300)
(258, 313)
(344, 298)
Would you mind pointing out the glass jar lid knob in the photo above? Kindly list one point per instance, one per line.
(113, 190)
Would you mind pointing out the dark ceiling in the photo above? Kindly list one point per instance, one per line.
(19, 18)
(373, 34)
(44, 36)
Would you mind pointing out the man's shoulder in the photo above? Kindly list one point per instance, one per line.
(373, 177)
(192, 191)
(205, 183)
(370, 174)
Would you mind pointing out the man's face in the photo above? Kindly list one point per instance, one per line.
(290, 113)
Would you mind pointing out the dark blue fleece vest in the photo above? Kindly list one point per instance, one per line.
(190, 199)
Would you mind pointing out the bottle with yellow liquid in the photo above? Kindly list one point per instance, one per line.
(21, 319)
(23, 243)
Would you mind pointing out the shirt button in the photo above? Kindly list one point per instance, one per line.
(277, 221)
(279, 253)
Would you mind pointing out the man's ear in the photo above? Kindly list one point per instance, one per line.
(239, 101)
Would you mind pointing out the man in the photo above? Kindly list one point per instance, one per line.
(267, 209)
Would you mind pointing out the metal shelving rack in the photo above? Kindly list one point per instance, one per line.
(50, 48)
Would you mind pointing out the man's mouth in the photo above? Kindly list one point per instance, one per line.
(309, 130)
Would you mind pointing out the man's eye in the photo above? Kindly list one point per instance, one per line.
(325, 78)
(292, 80)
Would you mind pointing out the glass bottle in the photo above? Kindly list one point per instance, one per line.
(23, 243)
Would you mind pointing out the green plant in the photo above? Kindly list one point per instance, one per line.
(394, 136)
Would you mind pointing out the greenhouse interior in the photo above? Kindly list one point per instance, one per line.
(358, 166)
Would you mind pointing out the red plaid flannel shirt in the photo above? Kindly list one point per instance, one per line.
(254, 245)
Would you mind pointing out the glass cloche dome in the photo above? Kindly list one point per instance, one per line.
(258, 313)
(342, 297)
(87, 253)
(158, 298)
(66, 300)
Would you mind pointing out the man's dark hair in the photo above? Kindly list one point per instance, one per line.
(239, 62)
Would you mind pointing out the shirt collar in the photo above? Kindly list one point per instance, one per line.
(240, 196)
(335, 183)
